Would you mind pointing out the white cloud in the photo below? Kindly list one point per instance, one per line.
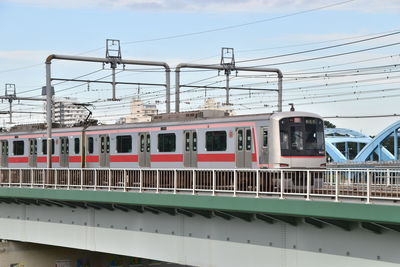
(218, 5)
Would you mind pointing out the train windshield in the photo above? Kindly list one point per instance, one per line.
(302, 136)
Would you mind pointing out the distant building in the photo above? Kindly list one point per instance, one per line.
(211, 104)
(139, 112)
(66, 112)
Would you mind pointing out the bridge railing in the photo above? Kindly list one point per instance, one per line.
(329, 184)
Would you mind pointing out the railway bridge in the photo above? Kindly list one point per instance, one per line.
(204, 217)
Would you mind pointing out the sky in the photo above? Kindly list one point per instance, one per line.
(338, 58)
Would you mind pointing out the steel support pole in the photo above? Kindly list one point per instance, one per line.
(177, 89)
(48, 112)
(280, 90)
(168, 90)
(227, 89)
(113, 83)
(10, 101)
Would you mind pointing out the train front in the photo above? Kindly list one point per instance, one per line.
(298, 140)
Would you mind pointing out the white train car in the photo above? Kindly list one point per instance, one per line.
(191, 140)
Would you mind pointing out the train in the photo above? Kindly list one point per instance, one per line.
(202, 139)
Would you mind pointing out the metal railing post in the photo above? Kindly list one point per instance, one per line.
(157, 181)
(20, 179)
(257, 183)
(109, 179)
(337, 186)
(282, 184)
(175, 180)
(194, 182)
(213, 182)
(125, 180)
(31, 178)
(388, 177)
(55, 179)
(368, 187)
(95, 180)
(81, 179)
(308, 185)
(68, 180)
(9, 178)
(234, 182)
(140, 180)
(43, 177)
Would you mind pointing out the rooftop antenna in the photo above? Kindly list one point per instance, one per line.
(291, 106)
(113, 53)
(228, 63)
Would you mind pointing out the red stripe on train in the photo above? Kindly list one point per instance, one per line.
(124, 158)
(75, 159)
(18, 160)
(167, 158)
(92, 158)
(216, 157)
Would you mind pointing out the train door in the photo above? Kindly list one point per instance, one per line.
(4, 153)
(32, 152)
(243, 148)
(264, 146)
(190, 149)
(104, 151)
(144, 149)
(64, 152)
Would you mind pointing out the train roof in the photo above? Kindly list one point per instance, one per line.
(172, 122)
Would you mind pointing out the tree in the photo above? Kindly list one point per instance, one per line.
(329, 124)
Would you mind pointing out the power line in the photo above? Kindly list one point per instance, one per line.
(239, 25)
(320, 48)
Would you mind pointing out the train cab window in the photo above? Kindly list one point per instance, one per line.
(76, 145)
(91, 145)
(166, 142)
(216, 141)
(265, 137)
(248, 139)
(124, 144)
(108, 144)
(240, 140)
(18, 148)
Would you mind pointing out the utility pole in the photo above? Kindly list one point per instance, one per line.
(10, 95)
(228, 63)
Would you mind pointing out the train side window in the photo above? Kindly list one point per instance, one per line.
(91, 145)
(166, 142)
(76, 145)
(248, 139)
(107, 144)
(194, 141)
(187, 141)
(142, 143)
(4, 147)
(216, 141)
(124, 144)
(240, 140)
(148, 143)
(265, 138)
(18, 148)
(44, 146)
